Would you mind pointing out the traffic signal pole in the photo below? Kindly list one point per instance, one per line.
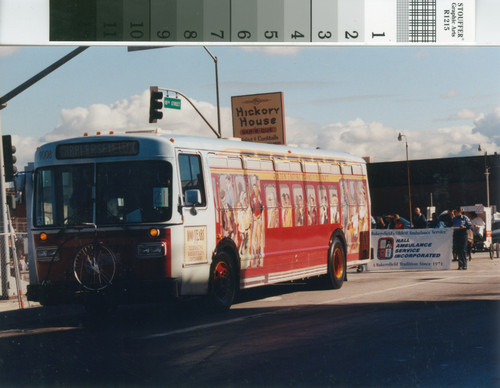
(4, 227)
(25, 85)
(195, 108)
(4, 230)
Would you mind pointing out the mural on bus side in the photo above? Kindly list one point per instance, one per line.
(242, 216)
(247, 207)
(355, 217)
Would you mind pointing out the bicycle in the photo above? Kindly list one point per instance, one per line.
(94, 264)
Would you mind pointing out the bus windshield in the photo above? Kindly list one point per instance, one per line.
(125, 192)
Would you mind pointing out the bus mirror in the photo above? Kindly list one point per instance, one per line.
(192, 197)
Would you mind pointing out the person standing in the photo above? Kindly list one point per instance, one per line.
(460, 224)
(478, 226)
(436, 223)
(419, 222)
(398, 224)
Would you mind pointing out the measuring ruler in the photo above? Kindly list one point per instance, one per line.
(319, 22)
(249, 22)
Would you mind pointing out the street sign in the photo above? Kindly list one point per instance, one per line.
(172, 103)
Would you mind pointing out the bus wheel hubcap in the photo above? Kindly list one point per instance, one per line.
(338, 263)
(222, 279)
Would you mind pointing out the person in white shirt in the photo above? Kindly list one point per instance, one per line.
(478, 225)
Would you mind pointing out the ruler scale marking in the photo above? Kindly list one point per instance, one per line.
(263, 21)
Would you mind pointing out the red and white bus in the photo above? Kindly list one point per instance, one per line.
(128, 217)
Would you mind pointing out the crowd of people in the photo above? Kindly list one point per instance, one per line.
(466, 229)
(394, 221)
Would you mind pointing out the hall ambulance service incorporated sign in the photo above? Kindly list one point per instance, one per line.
(259, 118)
(429, 249)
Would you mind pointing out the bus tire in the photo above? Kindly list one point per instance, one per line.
(222, 287)
(337, 263)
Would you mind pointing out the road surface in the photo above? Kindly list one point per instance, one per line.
(381, 329)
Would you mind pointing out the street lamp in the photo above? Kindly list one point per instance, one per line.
(487, 173)
(400, 138)
(216, 62)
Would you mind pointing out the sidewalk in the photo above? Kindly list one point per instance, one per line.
(13, 304)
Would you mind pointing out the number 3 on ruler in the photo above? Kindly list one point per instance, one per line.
(324, 35)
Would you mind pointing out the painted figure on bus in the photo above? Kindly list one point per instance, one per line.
(244, 218)
(354, 216)
(227, 216)
(227, 208)
(257, 246)
(286, 206)
(364, 219)
(312, 211)
(273, 217)
(299, 206)
(229, 190)
(323, 206)
(344, 205)
(334, 205)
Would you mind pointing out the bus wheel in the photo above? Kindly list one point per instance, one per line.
(336, 264)
(222, 288)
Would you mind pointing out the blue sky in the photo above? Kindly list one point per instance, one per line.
(446, 100)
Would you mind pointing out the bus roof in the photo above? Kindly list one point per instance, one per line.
(216, 145)
(244, 147)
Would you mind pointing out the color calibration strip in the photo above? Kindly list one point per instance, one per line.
(263, 21)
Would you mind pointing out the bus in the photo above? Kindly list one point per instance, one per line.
(134, 217)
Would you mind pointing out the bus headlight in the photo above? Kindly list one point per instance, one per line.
(47, 254)
(152, 250)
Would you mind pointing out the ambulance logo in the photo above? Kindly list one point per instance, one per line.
(385, 248)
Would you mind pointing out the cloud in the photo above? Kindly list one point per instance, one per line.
(356, 136)
(278, 85)
(463, 114)
(489, 125)
(466, 114)
(380, 141)
(6, 51)
(132, 114)
(354, 98)
(450, 94)
(273, 50)
(422, 53)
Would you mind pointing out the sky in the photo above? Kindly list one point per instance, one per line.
(445, 100)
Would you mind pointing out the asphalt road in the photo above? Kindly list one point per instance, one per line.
(382, 329)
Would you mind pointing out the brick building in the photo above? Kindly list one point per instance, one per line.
(447, 183)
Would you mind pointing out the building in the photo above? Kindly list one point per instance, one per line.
(443, 183)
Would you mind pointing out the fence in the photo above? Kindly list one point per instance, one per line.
(14, 258)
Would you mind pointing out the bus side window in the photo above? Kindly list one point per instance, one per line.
(191, 175)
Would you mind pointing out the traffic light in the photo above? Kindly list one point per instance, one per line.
(155, 104)
(8, 158)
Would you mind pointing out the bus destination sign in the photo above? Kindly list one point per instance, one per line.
(100, 149)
